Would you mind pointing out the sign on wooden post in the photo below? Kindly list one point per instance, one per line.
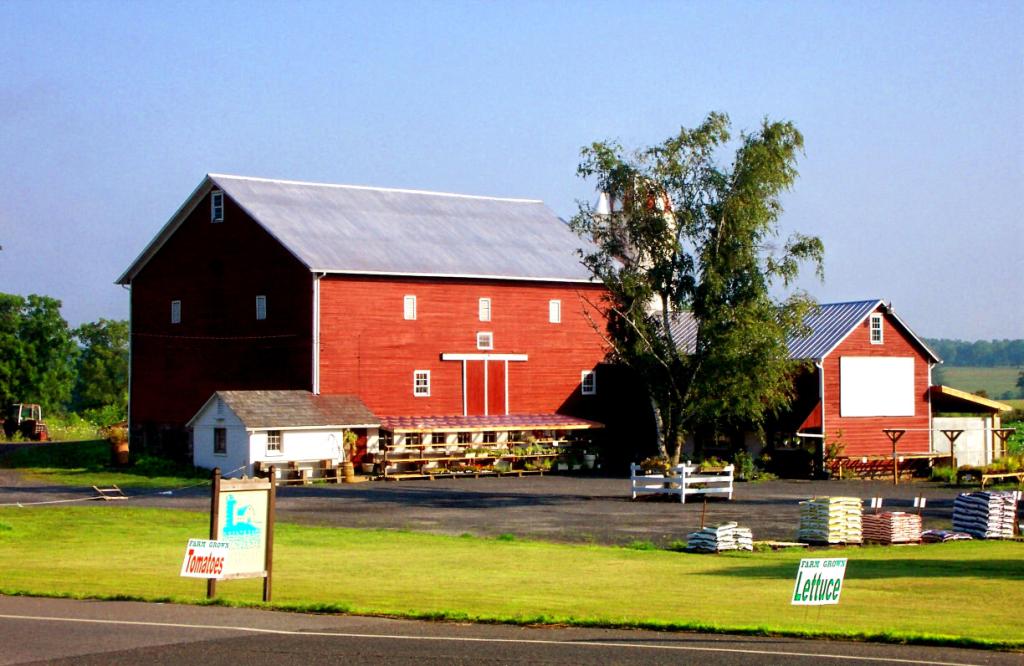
(819, 582)
(242, 515)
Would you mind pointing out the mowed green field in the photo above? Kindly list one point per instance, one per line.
(994, 381)
(953, 593)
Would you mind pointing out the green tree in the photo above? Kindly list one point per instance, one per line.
(37, 353)
(102, 371)
(685, 234)
(12, 351)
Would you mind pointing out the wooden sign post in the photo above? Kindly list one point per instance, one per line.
(952, 436)
(242, 514)
(894, 436)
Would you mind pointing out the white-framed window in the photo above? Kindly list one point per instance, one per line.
(261, 307)
(588, 382)
(485, 309)
(464, 437)
(175, 312)
(485, 340)
(409, 307)
(555, 311)
(876, 329)
(216, 206)
(438, 438)
(490, 437)
(273, 442)
(220, 441)
(421, 383)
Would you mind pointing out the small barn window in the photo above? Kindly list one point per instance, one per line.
(175, 312)
(876, 329)
(261, 307)
(485, 340)
(438, 438)
(465, 438)
(273, 441)
(421, 383)
(409, 307)
(220, 441)
(555, 311)
(216, 206)
(588, 382)
(485, 309)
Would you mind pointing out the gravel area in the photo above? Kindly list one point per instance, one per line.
(552, 508)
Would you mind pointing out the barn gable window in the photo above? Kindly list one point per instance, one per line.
(421, 383)
(485, 309)
(216, 206)
(555, 311)
(485, 340)
(261, 307)
(175, 312)
(220, 441)
(409, 307)
(273, 442)
(588, 382)
(876, 329)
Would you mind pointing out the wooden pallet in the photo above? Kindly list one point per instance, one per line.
(111, 493)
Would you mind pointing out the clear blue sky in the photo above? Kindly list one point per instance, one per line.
(913, 115)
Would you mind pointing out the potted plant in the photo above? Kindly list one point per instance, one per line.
(655, 465)
(351, 443)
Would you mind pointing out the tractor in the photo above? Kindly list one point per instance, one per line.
(27, 419)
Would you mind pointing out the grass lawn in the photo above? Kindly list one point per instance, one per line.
(87, 463)
(956, 593)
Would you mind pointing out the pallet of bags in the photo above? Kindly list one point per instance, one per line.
(830, 520)
(891, 527)
(727, 536)
(941, 536)
(985, 515)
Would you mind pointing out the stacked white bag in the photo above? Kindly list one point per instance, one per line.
(727, 536)
(830, 520)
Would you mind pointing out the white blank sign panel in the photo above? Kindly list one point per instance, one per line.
(876, 386)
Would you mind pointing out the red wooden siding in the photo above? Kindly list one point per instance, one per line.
(475, 395)
(216, 271)
(367, 348)
(496, 387)
(863, 435)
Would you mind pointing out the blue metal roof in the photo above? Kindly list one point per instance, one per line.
(828, 324)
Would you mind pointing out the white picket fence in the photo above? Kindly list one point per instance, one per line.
(685, 479)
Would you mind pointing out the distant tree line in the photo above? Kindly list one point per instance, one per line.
(43, 360)
(983, 353)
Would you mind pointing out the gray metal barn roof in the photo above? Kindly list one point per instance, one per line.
(351, 229)
(828, 325)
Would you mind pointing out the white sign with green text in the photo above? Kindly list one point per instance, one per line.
(819, 582)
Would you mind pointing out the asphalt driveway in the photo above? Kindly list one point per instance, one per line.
(553, 508)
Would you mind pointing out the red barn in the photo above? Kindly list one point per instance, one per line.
(420, 303)
(870, 371)
(873, 372)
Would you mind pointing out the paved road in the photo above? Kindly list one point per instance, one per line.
(58, 631)
(550, 508)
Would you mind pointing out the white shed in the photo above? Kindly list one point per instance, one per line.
(235, 430)
(973, 419)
